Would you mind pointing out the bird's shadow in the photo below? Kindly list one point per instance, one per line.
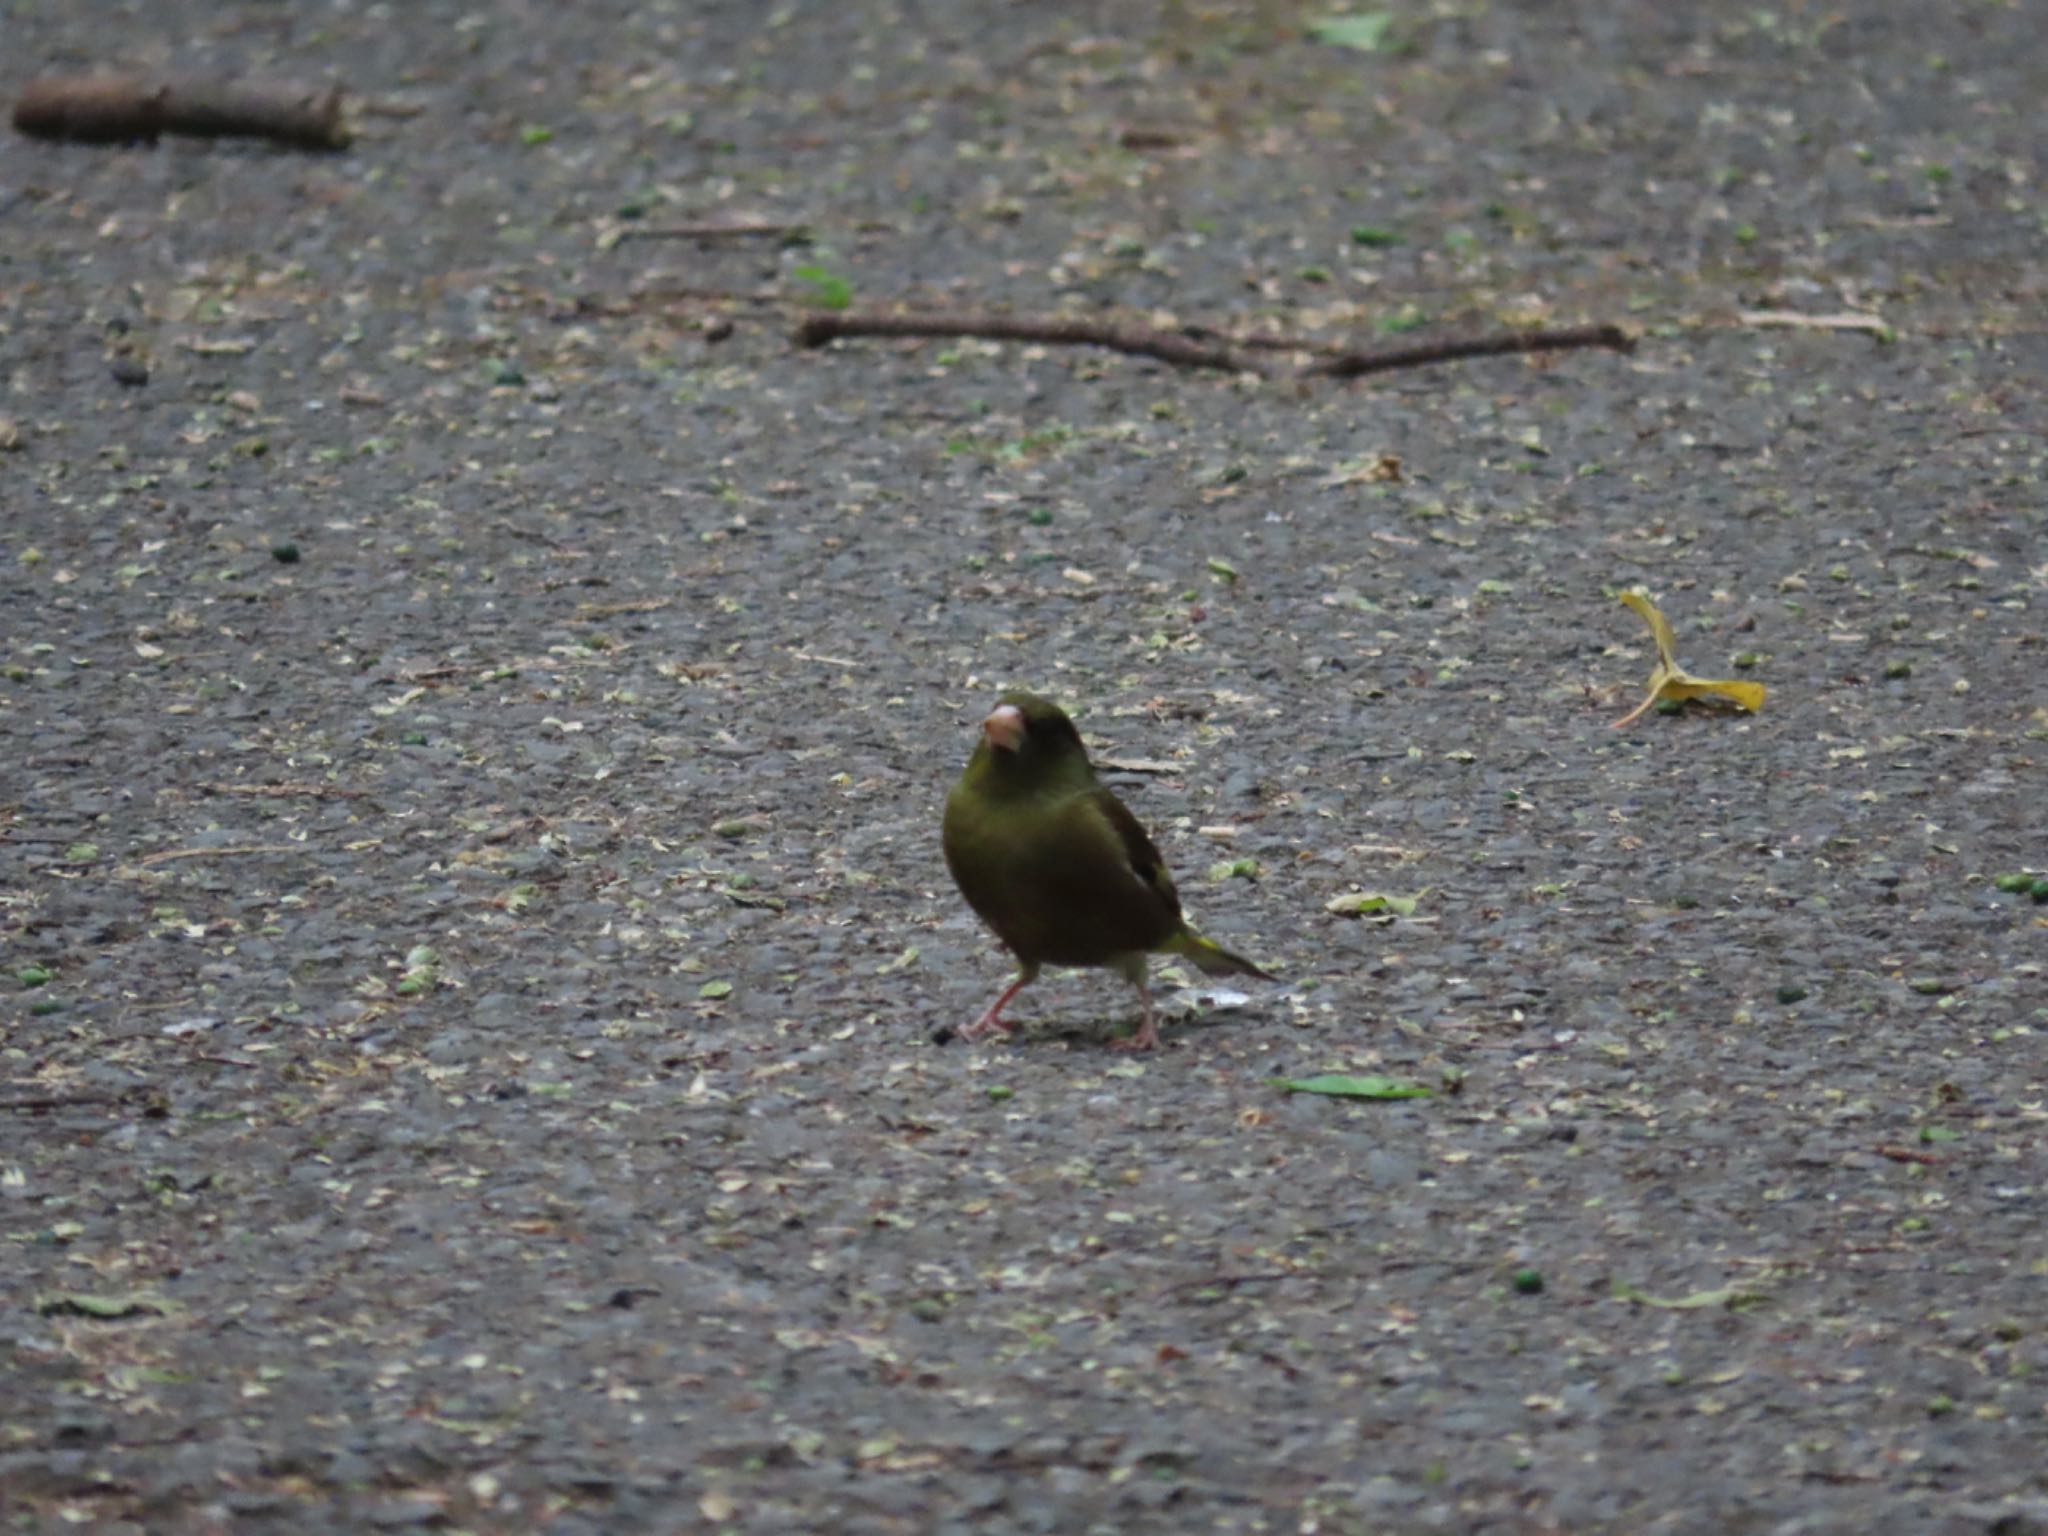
(1178, 1013)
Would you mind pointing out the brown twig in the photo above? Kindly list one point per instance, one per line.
(59, 1101)
(1899, 1154)
(287, 791)
(1350, 365)
(214, 853)
(2014, 430)
(115, 109)
(1168, 347)
(1198, 348)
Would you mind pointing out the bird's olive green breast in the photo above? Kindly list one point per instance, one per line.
(1052, 876)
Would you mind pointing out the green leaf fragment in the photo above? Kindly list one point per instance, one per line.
(714, 990)
(1360, 903)
(1340, 1085)
(1365, 31)
(829, 289)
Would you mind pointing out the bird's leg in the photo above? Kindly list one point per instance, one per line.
(992, 1020)
(1147, 1037)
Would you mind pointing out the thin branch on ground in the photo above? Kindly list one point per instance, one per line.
(234, 851)
(1350, 365)
(60, 1101)
(287, 791)
(119, 109)
(1167, 346)
(1196, 348)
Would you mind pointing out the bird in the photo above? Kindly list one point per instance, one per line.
(1059, 868)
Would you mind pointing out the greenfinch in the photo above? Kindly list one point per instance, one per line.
(1059, 868)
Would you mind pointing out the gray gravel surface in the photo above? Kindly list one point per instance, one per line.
(474, 739)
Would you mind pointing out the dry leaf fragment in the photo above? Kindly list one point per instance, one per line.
(1670, 680)
(1849, 320)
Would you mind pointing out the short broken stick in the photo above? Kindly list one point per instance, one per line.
(816, 330)
(1197, 350)
(1349, 365)
(117, 109)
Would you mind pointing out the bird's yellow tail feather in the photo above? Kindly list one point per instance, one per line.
(1211, 958)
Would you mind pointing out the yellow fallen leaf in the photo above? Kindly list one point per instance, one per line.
(717, 1506)
(1671, 681)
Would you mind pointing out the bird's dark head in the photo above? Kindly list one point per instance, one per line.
(1030, 739)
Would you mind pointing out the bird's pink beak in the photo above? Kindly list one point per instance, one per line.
(1004, 728)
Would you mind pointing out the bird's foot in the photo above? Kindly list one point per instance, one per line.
(993, 1019)
(987, 1024)
(1146, 1039)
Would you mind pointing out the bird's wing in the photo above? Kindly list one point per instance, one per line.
(1138, 851)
